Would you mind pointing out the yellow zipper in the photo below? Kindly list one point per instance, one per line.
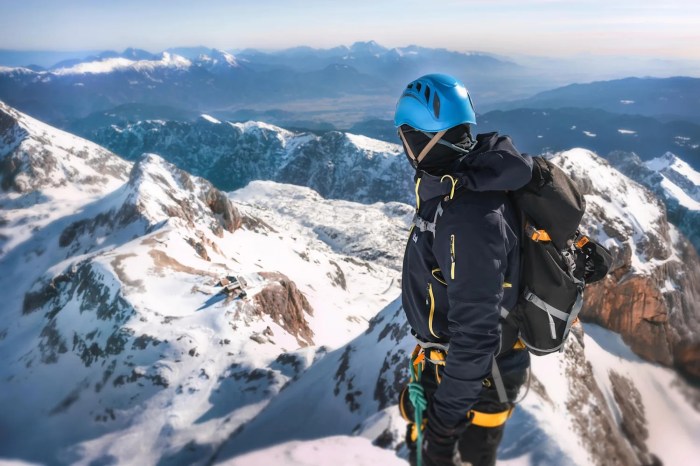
(431, 300)
(452, 256)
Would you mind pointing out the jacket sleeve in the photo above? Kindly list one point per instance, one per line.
(474, 239)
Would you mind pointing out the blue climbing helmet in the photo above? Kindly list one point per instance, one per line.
(434, 102)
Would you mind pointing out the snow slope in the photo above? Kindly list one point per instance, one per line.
(680, 180)
(119, 348)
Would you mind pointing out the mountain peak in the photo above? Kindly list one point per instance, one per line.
(36, 155)
(137, 54)
(370, 47)
(216, 58)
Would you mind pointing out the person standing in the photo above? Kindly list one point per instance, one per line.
(460, 268)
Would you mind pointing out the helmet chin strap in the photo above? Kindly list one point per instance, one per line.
(433, 140)
(442, 142)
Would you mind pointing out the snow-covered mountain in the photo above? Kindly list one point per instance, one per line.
(230, 155)
(113, 323)
(652, 297)
(119, 347)
(674, 181)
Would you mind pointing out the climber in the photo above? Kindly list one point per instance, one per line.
(461, 265)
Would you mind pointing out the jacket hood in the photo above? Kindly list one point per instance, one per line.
(494, 164)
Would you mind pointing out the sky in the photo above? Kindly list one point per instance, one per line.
(554, 28)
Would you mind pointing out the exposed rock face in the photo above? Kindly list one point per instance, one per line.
(81, 286)
(286, 305)
(651, 297)
(687, 359)
(635, 308)
(656, 314)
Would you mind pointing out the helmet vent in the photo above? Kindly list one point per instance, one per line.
(410, 86)
(427, 93)
(436, 105)
(418, 86)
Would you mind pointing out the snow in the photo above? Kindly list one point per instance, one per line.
(627, 102)
(218, 378)
(589, 134)
(626, 131)
(679, 180)
(335, 450)
(629, 208)
(97, 67)
(374, 145)
(670, 161)
(210, 119)
(681, 195)
(673, 441)
(110, 65)
(259, 125)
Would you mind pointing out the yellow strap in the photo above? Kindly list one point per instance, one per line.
(490, 419)
(414, 431)
(437, 357)
(519, 345)
(401, 408)
(437, 275)
(454, 184)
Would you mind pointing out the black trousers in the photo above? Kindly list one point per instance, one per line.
(477, 445)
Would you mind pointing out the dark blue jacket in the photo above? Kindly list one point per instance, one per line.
(456, 279)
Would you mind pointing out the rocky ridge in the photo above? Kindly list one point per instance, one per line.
(337, 165)
(651, 296)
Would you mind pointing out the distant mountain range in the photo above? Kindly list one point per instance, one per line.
(310, 87)
(348, 166)
(364, 78)
(538, 131)
(667, 99)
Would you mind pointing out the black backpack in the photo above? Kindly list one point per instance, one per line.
(557, 261)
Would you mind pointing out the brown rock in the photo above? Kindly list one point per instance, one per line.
(286, 305)
(634, 308)
(687, 360)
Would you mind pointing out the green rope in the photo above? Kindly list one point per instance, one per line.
(417, 396)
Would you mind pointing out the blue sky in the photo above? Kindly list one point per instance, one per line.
(640, 28)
